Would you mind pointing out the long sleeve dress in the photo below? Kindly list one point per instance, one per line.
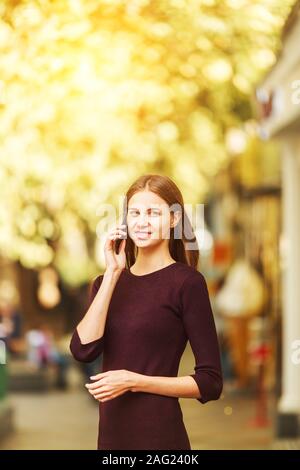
(149, 321)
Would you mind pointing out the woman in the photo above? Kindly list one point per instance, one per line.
(142, 311)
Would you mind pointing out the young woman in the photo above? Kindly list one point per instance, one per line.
(149, 302)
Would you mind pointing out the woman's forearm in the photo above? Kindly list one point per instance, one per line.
(92, 325)
(182, 387)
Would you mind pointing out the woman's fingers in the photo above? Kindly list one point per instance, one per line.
(113, 258)
(113, 236)
(116, 233)
(117, 229)
(100, 389)
(110, 396)
(94, 385)
(106, 393)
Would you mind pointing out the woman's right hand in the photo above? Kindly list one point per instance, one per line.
(115, 262)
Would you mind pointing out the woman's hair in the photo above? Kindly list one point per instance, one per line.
(165, 188)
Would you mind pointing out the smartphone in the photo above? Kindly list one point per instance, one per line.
(118, 241)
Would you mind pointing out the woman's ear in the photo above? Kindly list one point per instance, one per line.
(175, 218)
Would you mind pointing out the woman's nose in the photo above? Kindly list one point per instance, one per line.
(142, 221)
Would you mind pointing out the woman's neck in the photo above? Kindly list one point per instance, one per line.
(144, 265)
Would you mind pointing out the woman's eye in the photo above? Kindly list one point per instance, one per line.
(155, 212)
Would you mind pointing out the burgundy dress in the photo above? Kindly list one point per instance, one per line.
(149, 321)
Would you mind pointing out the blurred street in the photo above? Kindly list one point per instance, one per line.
(61, 420)
(185, 107)
(68, 420)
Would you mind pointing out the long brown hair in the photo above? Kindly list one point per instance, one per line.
(165, 188)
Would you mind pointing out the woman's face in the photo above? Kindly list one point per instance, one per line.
(148, 218)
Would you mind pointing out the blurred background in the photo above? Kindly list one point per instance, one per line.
(92, 95)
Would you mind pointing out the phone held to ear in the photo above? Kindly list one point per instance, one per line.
(118, 242)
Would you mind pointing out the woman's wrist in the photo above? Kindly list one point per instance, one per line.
(112, 272)
(139, 382)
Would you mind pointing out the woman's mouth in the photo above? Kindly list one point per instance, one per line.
(143, 235)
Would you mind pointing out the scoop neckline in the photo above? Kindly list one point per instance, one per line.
(142, 276)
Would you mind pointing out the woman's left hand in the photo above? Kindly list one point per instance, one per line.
(110, 384)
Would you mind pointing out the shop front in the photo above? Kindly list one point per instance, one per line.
(278, 96)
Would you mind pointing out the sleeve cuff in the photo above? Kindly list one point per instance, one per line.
(209, 387)
(85, 352)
